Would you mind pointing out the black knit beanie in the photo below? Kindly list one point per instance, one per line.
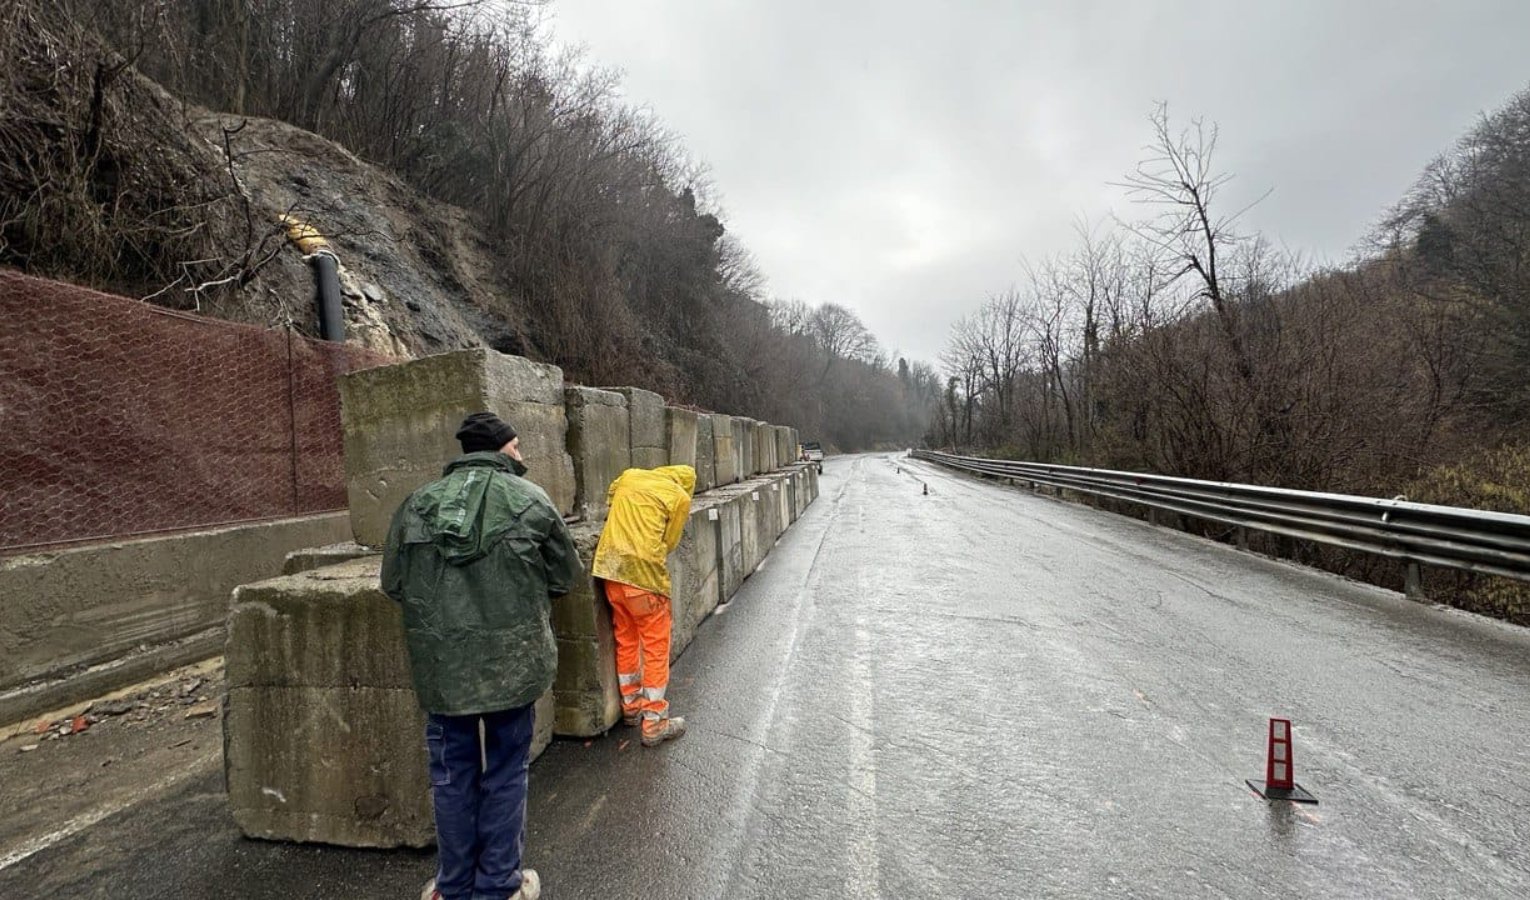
(484, 431)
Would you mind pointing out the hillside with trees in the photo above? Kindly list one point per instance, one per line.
(480, 188)
(1179, 342)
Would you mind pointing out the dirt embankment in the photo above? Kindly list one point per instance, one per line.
(108, 180)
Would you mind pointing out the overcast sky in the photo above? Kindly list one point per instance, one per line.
(903, 158)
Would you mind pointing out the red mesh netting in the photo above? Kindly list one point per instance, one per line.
(121, 418)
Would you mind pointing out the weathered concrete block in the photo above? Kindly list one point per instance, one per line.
(693, 575)
(725, 451)
(743, 447)
(599, 440)
(398, 423)
(730, 538)
(786, 451)
(764, 450)
(706, 468)
(323, 736)
(311, 558)
(586, 698)
(681, 426)
(751, 543)
(648, 427)
(768, 457)
(771, 525)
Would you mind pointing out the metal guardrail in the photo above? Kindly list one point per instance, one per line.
(1473, 540)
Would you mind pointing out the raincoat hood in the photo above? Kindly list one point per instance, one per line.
(684, 476)
(460, 517)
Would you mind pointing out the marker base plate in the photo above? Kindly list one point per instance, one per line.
(1296, 794)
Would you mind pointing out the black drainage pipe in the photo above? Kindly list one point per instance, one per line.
(326, 274)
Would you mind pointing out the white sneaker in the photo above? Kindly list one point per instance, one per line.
(531, 886)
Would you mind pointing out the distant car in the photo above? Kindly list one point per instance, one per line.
(812, 452)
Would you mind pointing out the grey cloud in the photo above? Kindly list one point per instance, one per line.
(903, 158)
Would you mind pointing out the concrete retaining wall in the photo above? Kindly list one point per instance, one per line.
(82, 621)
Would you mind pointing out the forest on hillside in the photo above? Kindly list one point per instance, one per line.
(1179, 342)
(595, 220)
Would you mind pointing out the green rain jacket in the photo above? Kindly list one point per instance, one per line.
(474, 559)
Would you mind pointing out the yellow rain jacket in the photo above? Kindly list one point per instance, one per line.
(649, 508)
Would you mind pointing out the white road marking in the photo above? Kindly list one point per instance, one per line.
(80, 823)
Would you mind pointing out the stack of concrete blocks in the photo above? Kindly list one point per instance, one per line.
(322, 731)
(398, 423)
(648, 434)
(725, 452)
(322, 728)
(600, 442)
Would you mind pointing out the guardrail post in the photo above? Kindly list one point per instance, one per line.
(1242, 538)
(1413, 583)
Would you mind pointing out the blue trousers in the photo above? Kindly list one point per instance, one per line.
(479, 792)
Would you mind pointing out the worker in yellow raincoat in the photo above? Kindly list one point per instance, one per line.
(648, 511)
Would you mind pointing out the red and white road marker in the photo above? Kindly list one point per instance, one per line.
(1280, 768)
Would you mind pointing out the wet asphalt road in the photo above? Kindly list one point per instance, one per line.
(982, 693)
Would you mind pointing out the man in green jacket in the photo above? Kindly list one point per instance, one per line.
(474, 559)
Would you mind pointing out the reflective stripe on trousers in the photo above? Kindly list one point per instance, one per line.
(641, 621)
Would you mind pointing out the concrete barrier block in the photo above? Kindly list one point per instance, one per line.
(730, 551)
(323, 736)
(648, 427)
(398, 423)
(750, 541)
(743, 447)
(769, 448)
(310, 558)
(694, 589)
(706, 468)
(599, 440)
(786, 451)
(682, 435)
(725, 451)
(587, 700)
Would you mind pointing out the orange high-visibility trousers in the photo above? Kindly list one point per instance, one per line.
(641, 620)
